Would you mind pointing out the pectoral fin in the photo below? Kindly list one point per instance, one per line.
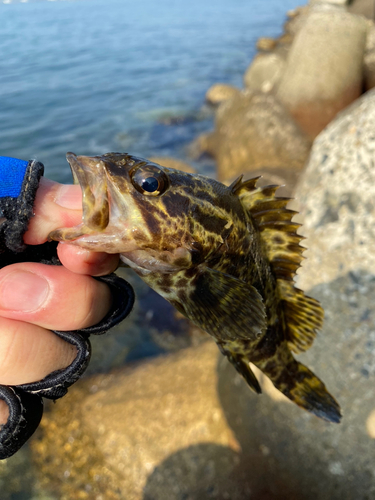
(225, 307)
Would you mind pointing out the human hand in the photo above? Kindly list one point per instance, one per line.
(36, 298)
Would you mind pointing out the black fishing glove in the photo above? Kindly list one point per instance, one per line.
(19, 182)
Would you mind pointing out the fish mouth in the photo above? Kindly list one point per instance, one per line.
(90, 173)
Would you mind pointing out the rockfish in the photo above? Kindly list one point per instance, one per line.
(225, 257)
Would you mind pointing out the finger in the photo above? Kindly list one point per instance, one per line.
(56, 205)
(4, 412)
(52, 297)
(28, 353)
(81, 261)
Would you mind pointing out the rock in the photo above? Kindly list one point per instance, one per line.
(220, 92)
(324, 70)
(369, 60)
(293, 13)
(204, 143)
(295, 23)
(253, 130)
(266, 44)
(362, 7)
(337, 195)
(264, 73)
(168, 162)
(329, 3)
(114, 434)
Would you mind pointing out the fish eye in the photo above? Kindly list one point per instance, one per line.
(149, 180)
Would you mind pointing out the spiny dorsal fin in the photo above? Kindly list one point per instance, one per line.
(277, 231)
(281, 243)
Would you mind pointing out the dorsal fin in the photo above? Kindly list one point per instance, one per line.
(281, 243)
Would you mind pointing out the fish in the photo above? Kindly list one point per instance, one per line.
(223, 256)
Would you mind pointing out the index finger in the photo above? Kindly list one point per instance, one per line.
(59, 205)
(56, 205)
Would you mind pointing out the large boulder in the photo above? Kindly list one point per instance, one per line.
(252, 131)
(336, 196)
(156, 431)
(324, 69)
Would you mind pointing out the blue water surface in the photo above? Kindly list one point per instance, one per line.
(94, 76)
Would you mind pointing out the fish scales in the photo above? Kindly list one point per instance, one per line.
(223, 256)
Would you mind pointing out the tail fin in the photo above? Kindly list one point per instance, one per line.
(302, 387)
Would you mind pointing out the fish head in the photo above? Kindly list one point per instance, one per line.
(157, 218)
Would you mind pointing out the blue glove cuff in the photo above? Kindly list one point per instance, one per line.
(12, 173)
(19, 183)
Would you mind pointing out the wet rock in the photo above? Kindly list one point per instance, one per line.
(265, 72)
(220, 92)
(253, 130)
(175, 163)
(324, 70)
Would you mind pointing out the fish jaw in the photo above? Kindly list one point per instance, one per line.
(110, 221)
(91, 175)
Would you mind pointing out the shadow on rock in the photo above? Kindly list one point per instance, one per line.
(214, 472)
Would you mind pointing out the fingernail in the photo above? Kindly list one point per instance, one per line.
(23, 291)
(69, 197)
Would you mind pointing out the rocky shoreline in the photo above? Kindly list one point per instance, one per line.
(184, 426)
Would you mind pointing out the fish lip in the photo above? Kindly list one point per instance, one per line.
(87, 171)
(80, 167)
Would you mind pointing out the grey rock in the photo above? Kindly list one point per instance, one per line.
(337, 195)
(324, 69)
(265, 72)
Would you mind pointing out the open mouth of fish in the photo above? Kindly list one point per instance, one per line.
(90, 173)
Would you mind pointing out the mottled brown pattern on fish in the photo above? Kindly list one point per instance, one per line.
(223, 256)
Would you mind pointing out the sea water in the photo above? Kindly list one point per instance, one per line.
(94, 76)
